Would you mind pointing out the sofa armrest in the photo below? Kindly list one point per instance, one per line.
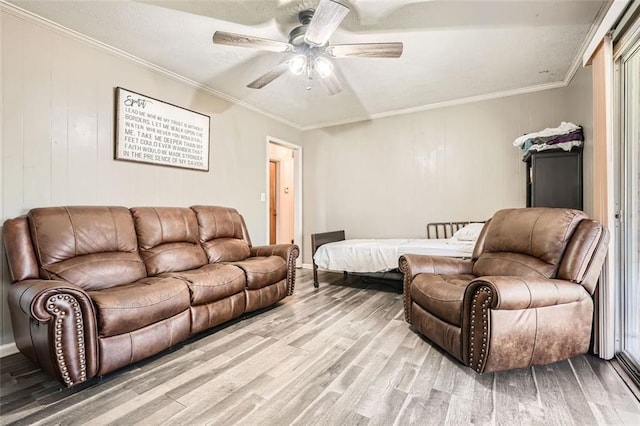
(282, 250)
(514, 322)
(54, 323)
(413, 264)
(289, 252)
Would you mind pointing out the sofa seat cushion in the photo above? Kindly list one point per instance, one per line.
(129, 307)
(263, 271)
(442, 295)
(213, 282)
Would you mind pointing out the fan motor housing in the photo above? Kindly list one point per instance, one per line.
(296, 36)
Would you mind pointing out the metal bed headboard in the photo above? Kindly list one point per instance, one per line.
(438, 230)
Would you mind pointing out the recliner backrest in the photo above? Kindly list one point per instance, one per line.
(223, 234)
(527, 242)
(92, 247)
(583, 259)
(168, 239)
(479, 246)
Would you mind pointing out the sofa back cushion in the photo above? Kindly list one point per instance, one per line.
(527, 242)
(222, 233)
(168, 239)
(92, 247)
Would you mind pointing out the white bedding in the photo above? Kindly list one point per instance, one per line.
(381, 255)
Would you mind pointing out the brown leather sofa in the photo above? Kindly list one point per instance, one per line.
(98, 288)
(525, 296)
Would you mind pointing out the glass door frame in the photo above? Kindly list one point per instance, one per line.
(621, 155)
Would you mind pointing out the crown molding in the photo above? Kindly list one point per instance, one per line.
(24, 14)
(444, 104)
(61, 29)
(578, 60)
(607, 21)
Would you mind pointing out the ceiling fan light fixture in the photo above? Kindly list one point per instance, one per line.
(309, 50)
(297, 64)
(323, 66)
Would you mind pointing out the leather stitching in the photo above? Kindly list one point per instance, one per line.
(131, 357)
(170, 297)
(115, 227)
(73, 230)
(531, 233)
(159, 223)
(88, 263)
(535, 337)
(488, 256)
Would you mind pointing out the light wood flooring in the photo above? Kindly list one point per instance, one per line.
(342, 354)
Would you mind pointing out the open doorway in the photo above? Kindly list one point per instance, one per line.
(273, 201)
(284, 191)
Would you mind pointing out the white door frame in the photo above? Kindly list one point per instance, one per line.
(297, 196)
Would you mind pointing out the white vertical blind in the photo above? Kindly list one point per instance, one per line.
(603, 192)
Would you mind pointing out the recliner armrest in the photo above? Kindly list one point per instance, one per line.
(513, 322)
(510, 292)
(289, 252)
(413, 264)
(54, 323)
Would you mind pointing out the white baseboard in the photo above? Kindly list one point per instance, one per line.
(8, 349)
(307, 266)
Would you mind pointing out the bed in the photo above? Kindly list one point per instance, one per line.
(379, 257)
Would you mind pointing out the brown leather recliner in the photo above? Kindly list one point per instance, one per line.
(525, 296)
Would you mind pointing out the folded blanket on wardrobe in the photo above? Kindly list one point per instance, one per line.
(564, 137)
(550, 132)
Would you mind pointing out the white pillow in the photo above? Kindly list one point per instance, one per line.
(470, 232)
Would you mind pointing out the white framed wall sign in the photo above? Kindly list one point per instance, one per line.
(151, 131)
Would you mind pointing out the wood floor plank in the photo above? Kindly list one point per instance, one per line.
(317, 409)
(482, 406)
(152, 412)
(340, 354)
(516, 395)
(614, 387)
(285, 406)
(432, 408)
(458, 412)
(555, 407)
(388, 407)
(381, 387)
(573, 394)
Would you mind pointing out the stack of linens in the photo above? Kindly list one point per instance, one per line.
(565, 137)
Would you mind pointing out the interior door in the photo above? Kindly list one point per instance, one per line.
(273, 204)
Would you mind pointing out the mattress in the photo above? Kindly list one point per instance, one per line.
(381, 255)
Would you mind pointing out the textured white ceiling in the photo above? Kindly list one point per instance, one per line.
(452, 49)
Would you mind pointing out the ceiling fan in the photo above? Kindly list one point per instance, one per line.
(309, 47)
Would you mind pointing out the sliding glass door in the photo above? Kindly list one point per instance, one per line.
(629, 303)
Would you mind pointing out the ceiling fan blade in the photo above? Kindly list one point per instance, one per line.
(268, 77)
(328, 15)
(365, 50)
(231, 39)
(331, 83)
